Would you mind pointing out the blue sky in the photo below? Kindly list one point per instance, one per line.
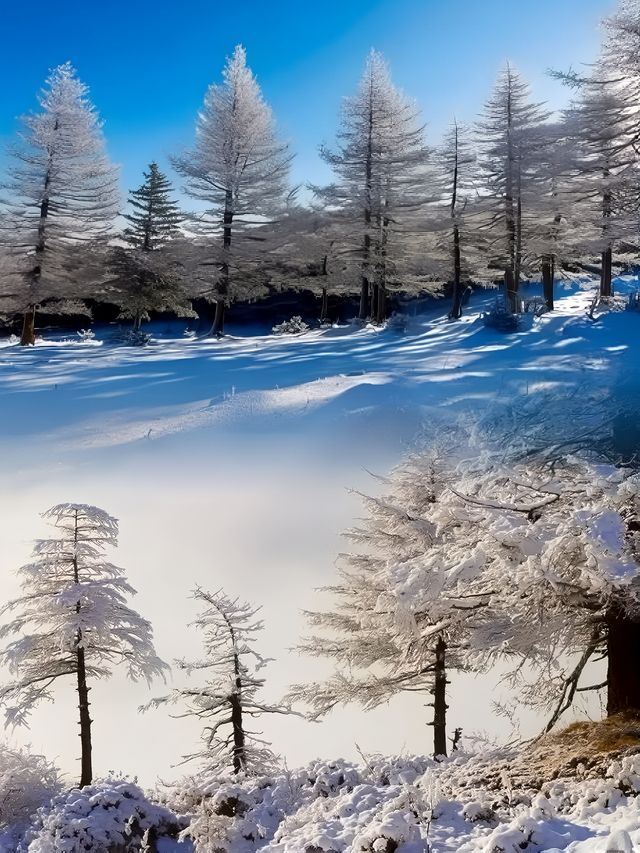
(148, 64)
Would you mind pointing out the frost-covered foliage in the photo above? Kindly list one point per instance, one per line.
(533, 559)
(510, 134)
(230, 694)
(72, 620)
(27, 782)
(380, 168)
(74, 599)
(239, 169)
(111, 815)
(501, 317)
(414, 805)
(63, 195)
(294, 326)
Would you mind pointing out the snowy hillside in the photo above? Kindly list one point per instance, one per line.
(324, 406)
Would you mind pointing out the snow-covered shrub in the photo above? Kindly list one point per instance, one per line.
(397, 322)
(107, 816)
(241, 814)
(27, 782)
(633, 302)
(294, 326)
(536, 305)
(501, 317)
(133, 338)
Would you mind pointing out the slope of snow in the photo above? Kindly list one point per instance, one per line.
(228, 464)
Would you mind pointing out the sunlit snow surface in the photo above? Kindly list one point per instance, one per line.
(228, 464)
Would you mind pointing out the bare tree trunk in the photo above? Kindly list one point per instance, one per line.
(86, 769)
(324, 306)
(239, 750)
(510, 288)
(623, 675)
(606, 275)
(28, 336)
(218, 323)
(456, 304)
(440, 700)
(373, 310)
(223, 287)
(606, 288)
(547, 281)
(381, 304)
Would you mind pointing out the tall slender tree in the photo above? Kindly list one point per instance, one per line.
(394, 625)
(455, 182)
(230, 694)
(380, 164)
(72, 620)
(62, 197)
(508, 133)
(239, 169)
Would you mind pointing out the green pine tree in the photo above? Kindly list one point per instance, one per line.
(155, 219)
(147, 274)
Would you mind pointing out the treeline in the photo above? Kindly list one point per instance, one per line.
(519, 194)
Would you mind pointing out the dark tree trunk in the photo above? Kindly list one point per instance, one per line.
(456, 304)
(547, 282)
(440, 700)
(363, 313)
(510, 289)
(623, 670)
(28, 336)
(606, 277)
(223, 286)
(373, 310)
(218, 322)
(324, 306)
(239, 750)
(86, 769)
(381, 304)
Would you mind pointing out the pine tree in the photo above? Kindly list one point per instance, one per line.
(455, 182)
(398, 622)
(230, 693)
(508, 134)
(380, 164)
(63, 197)
(73, 620)
(156, 218)
(239, 169)
(148, 274)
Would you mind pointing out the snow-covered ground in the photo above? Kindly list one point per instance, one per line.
(229, 465)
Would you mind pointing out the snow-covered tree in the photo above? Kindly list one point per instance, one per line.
(508, 141)
(554, 547)
(603, 171)
(62, 197)
(455, 183)
(380, 166)
(229, 695)
(314, 257)
(395, 625)
(148, 273)
(72, 620)
(239, 170)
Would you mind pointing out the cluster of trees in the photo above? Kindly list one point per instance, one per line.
(519, 195)
(529, 557)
